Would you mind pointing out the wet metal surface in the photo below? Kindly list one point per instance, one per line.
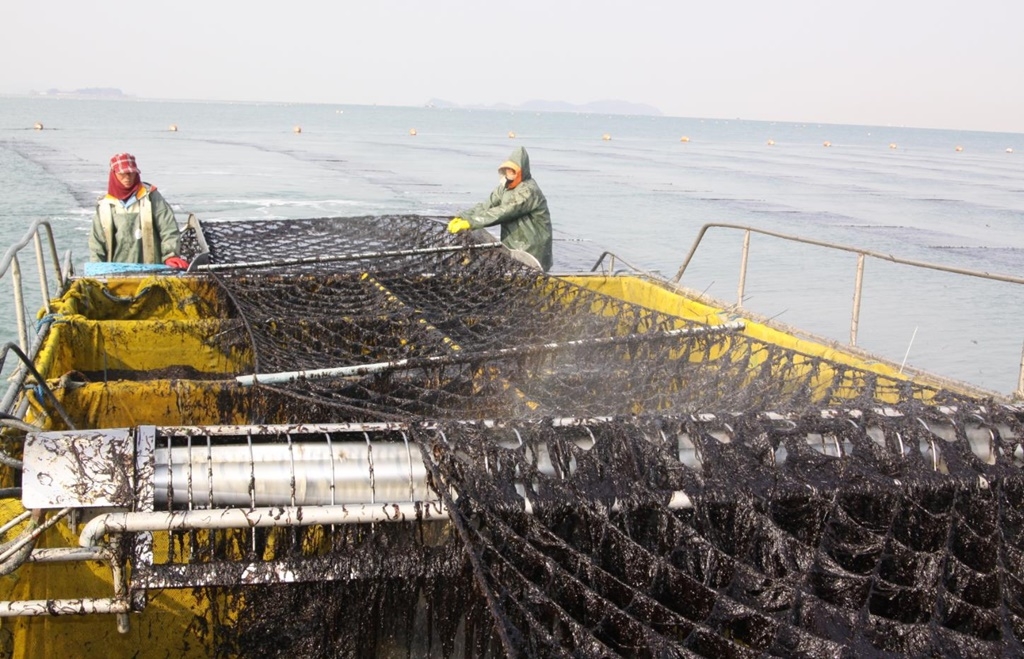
(87, 469)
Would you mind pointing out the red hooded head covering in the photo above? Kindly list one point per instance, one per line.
(120, 164)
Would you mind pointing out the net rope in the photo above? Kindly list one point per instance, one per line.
(862, 516)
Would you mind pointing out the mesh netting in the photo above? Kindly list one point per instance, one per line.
(689, 522)
(784, 550)
(477, 329)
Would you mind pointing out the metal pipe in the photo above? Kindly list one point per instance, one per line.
(14, 522)
(367, 426)
(9, 461)
(18, 378)
(1019, 394)
(55, 258)
(457, 358)
(307, 474)
(64, 268)
(119, 604)
(29, 538)
(743, 270)
(820, 243)
(265, 517)
(41, 268)
(611, 267)
(19, 302)
(693, 250)
(277, 483)
(857, 287)
(285, 516)
(28, 367)
(344, 257)
(18, 424)
(8, 256)
(64, 607)
(70, 554)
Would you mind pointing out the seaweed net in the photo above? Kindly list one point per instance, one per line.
(736, 498)
(474, 334)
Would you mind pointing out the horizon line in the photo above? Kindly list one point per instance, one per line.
(73, 95)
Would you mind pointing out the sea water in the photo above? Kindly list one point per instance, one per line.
(639, 187)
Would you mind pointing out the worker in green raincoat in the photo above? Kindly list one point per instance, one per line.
(518, 205)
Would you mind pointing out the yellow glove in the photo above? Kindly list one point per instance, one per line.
(457, 224)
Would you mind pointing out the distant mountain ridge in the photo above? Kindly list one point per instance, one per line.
(96, 92)
(593, 107)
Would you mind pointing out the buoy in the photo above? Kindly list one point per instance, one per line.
(827, 143)
(684, 138)
(771, 142)
(606, 137)
(297, 129)
(38, 126)
(959, 148)
(511, 135)
(173, 128)
(1008, 149)
(892, 145)
(412, 131)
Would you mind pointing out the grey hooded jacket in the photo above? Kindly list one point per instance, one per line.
(521, 211)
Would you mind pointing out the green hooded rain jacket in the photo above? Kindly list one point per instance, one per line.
(521, 211)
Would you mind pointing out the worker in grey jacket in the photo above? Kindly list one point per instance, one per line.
(518, 205)
(133, 222)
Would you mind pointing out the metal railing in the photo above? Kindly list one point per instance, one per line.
(10, 263)
(22, 548)
(862, 255)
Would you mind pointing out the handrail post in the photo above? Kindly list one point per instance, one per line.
(743, 269)
(19, 303)
(1019, 394)
(855, 317)
(54, 257)
(41, 268)
(693, 250)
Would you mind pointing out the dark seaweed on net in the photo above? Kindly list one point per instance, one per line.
(860, 531)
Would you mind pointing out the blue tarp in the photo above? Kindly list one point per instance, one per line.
(102, 269)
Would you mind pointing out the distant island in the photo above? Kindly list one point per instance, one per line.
(594, 107)
(91, 92)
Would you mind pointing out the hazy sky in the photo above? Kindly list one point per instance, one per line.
(936, 63)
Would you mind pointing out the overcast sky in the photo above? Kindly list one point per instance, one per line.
(935, 64)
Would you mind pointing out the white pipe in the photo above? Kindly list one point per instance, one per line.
(63, 607)
(345, 257)
(285, 516)
(14, 522)
(1019, 394)
(19, 304)
(28, 538)
(276, 516)
(69, 554)
(459, 357)
(907, 353)
(367, 426)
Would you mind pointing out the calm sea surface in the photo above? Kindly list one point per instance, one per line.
(643, 194)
